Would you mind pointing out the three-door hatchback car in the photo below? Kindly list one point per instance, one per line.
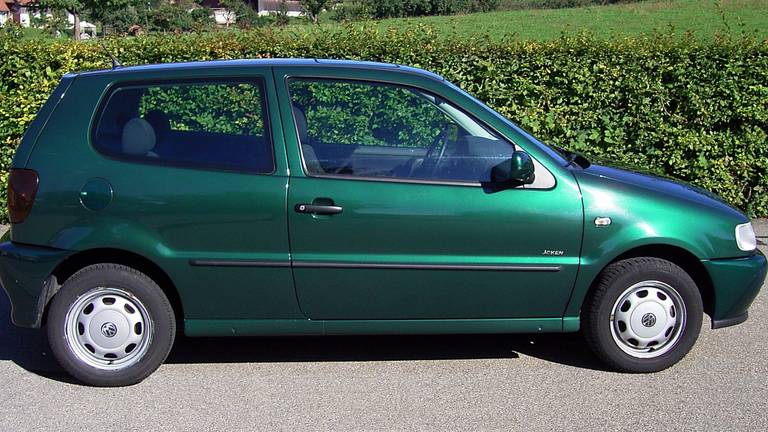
(319, 197)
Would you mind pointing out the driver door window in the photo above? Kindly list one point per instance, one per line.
(377, 130)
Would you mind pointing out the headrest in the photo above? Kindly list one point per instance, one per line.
(138, 137)
(301, 124)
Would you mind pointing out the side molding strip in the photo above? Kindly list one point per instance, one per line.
(380, 266)
(322, 264)
(238, 263)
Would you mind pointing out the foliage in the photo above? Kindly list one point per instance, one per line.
(313, 8)
(115, 13)
(677, 106)
(351, 10)
(217, 108)
(118, 16)
(409, 8)
(120, 20)
(281, 15)
(71, 6)
(363, 9)
(98, 10)
(75, 7)
(352, 113)
(483, 5)
(170, 17)
(555, 4)
(202, 18)
(54, 24)
(245, 16)
(681, 17)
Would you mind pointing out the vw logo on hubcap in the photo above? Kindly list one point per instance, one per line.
(109, 329)
(648, 320)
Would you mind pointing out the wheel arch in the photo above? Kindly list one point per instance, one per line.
(85, 258)
(676, 255)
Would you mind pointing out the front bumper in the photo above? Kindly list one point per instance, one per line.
(736, 283)
(25, 276)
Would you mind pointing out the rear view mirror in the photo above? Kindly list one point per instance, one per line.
(515, 171)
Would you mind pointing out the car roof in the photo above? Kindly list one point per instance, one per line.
(284, 62)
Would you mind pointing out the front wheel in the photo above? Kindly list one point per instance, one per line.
(644, 315)
(110, 325)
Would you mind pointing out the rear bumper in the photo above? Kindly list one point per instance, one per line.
(727, 322)
(736, 283)
(25, 276)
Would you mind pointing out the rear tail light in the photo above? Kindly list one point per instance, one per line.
(22, 188)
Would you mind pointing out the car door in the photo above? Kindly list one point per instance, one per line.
(199, 178)
(391, 215)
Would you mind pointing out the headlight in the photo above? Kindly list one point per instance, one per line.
(745, 237)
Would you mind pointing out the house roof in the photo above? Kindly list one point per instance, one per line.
(5, 5)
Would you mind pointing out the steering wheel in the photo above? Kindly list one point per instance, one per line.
(345, 165)
(440, 140)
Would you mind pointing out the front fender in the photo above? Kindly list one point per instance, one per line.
(641, 216)
(593, 263)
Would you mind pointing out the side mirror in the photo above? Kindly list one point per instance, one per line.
(515, 171)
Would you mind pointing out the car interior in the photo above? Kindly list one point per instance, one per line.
(122, 130)
(454, 154)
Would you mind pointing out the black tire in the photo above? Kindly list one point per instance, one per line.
(612, 284)
(161, 322)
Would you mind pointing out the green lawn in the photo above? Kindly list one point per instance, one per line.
(702, 18)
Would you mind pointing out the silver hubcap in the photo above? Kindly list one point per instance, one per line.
(648, 319)
(108, 328)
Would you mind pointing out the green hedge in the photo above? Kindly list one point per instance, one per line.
(691, 110)
(217, 108)
(351, 113)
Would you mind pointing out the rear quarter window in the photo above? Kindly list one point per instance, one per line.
(216, 125)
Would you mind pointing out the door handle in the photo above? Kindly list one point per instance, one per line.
(318, 209)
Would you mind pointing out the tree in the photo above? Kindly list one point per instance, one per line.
(245, 16)
(313, 8)
(96, 8)
(74, 7)
(201, 18)
(55, 24)
(118, 14)
(170, 17)
(118, 20)
(281, 16)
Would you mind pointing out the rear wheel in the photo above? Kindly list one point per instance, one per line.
(644, 315)
(110, 325)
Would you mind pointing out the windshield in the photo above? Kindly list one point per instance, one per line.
(561, 155)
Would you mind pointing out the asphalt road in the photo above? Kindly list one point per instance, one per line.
(540, 382)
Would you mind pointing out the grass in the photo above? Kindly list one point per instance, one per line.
(703, 19)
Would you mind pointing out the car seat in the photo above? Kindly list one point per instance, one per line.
(138, 138)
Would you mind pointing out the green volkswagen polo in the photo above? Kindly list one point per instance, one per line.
(320, 197)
